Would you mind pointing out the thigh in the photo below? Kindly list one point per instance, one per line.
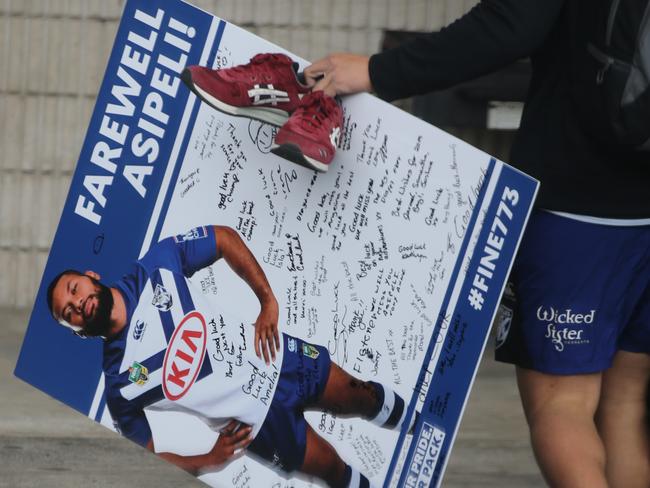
(560, 413)
(627, 379)
(544, 395)
(322, 460)
(346, 395)
(623, 422)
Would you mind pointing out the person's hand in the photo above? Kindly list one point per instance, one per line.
(267, 337)
(339, 74)
(232, 438)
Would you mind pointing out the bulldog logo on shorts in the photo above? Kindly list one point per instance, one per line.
(505, 312)
(503, 321)
(162, 299)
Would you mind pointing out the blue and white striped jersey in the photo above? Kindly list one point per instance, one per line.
(179, 351)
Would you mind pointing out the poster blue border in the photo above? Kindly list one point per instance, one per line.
(468, 327)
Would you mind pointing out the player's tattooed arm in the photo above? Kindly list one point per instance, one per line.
(235, 252)
(232, 439)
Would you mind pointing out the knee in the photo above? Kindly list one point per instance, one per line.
(557, 418)
(563, 430)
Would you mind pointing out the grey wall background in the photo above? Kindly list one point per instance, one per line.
(53, 55)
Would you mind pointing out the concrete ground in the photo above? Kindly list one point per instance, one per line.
(44, 443)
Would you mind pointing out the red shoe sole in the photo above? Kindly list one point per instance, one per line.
(293, 153)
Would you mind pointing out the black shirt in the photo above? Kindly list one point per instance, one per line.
(578, 172)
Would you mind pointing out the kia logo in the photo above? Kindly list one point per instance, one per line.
(184, 356)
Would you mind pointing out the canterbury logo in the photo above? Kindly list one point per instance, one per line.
(138, 330)
(267, 95)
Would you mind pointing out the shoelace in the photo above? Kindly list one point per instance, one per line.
(312, 119)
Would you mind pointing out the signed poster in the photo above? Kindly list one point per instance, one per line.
(387, 269)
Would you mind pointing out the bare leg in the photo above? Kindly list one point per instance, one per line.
(346, 395)
(622, 420)
(560, 412)
(322, 461)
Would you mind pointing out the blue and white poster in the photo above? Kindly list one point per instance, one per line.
(381, 276)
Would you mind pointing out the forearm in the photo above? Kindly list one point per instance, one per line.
(191, 464)
(493, 34)
(233, 438)
(237, 255)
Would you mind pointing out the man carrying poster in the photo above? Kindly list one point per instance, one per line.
(575, 323)
(167, 349)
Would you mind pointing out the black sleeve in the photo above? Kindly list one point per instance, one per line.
(491, 35)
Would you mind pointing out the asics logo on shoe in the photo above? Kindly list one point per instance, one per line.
(335, 135)
(267, 94)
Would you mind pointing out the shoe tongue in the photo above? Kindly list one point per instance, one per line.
(260, 58)
(300, 75)
(319, 101)
(323, 100)
(314, 98)
(276, 57)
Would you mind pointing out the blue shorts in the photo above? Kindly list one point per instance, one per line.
(282, 440)
(578, 292)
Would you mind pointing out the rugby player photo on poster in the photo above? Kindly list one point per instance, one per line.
(167, 349)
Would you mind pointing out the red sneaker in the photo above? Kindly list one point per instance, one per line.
(266, 89)
(311, 134)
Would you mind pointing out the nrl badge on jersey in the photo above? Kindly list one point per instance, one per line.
(162, 299)
(309, 351)
(138, 374)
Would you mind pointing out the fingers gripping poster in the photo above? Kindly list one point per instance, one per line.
(254, 321)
